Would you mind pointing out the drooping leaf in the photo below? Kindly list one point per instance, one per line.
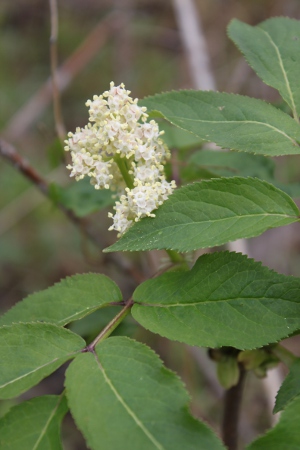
(127, 397)
(231, 121)
(69, 300)
(285, 435)
(272, 49)
(34, 424)
(175, 137)
(211, 213)
(226, 299)
(29, 352)
(81, 197)
(230, 164)
(290, 388)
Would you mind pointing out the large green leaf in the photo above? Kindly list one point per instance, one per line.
(231, 121)
(211, 213)
(30, 352)
(290, 388)
(226, 299)
(69, 300)
(34, 424)
(272, 49)
(123, 397)
(285, 435)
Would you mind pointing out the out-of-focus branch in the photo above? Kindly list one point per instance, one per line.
(30, 112)
(193, 39)
(9, 153)
(58, 118)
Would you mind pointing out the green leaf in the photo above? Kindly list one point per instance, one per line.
(175, 137)
(30, 352)
(81, 197)
(290, 388)
(231, 121)
(126, 395)
(272, 50)
(285, 435)
(213, 164)
(229, 164)
(226, 299)
(34, 424)
(70, 299)
(211, 213)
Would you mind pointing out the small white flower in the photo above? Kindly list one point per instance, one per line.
(118, 128)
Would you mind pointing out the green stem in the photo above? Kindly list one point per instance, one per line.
(175, 257)
(284, 355)
(110, 327)
(121, 162)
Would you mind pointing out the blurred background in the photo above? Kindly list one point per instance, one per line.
(151, 46)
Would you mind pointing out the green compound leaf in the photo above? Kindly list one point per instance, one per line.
(123, 397)
(34, 424)
(70, 299)
(29, 352)
(285, 435)
(272, 50)
(226, 299)
(290, 388)
(231, 121)
(211, 213)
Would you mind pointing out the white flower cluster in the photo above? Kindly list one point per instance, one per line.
(119, 150)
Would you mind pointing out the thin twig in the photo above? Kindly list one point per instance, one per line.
(194, 43)
(58, 118)
(8, 152)
(232, 405)
(110, 327)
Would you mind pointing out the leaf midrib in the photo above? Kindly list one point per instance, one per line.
(37, 369)
(283, 72)
(208, 302)
(138, 422)
(224, 219)
(43, 432)
(185, 119)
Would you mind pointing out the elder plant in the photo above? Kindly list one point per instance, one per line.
(117, 389)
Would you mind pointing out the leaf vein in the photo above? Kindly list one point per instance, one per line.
(284, 74)
(238, 122)
(127, 408)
